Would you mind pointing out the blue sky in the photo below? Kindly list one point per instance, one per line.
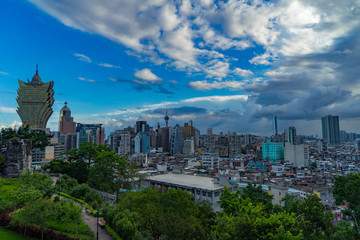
(227, 65)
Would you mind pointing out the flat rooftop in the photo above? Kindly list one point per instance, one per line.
(187, 180)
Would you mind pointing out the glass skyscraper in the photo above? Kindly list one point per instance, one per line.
(331, 129)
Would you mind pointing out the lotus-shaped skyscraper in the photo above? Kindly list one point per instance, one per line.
(35, 100)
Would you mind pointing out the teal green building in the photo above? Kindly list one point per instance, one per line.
(273, 151)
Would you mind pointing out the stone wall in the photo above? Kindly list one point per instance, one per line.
(18, 157)
(109, 198)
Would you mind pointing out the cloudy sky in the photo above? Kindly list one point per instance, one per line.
(230, 65)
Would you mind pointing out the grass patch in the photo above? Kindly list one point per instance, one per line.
(6, 234)
(7, 187)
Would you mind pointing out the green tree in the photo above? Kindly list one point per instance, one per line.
(39, 181)
(109, 171)
(88, 152)
(230, 202)
(346, 190)
(155, 215)
(251, 221)
(38, 138)
(344, 231)
(61, 215)
(312, 217)
(66, 184)
(258, 196)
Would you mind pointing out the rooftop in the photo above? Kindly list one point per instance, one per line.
(187, 180)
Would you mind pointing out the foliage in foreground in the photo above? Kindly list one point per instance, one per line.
(246, 218)
(30, 186)
(250, 214)
(150, 214)
(346, 191)
(62, 216)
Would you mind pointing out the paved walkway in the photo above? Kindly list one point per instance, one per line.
(91, 222)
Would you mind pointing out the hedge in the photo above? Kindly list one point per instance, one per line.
(112, 232)
(72, 198)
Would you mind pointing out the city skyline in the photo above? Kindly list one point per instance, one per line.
(229, 66)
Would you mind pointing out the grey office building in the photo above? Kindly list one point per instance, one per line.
(331, 129)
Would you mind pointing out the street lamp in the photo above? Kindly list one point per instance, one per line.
(97, 224)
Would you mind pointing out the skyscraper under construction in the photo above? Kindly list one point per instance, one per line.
(35, 100)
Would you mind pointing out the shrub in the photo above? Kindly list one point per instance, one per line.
(72, 198)
(80, 191)
(94, 199)
(112, 232)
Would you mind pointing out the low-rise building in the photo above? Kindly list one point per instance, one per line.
(200, 188)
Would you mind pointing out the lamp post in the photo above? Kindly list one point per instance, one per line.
(97, 224)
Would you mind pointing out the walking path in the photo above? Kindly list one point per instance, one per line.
(90, 220)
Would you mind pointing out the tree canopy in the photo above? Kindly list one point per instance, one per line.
(151, 214)
(346, 191)
(98, 166)
(38, 138)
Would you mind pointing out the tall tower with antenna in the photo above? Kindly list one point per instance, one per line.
(166, 119)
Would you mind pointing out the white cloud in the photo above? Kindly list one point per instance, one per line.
(4, 73)
(216, 98)
(112, 79)
(82, 57)
(187, 35)
(86, 79)
(13, 125)
(147, 75)
(242, 72)
(263, 59)
(108, 65)
(7, 110)
(205, 85)
(111, 122)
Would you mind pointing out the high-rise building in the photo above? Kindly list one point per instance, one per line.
(69, 141)
(35, 100)
(142, 126)
(188, 146)
(297, 155)
(141, 143)
(273, 151)
(176, 140)
(163, 138)
(331, 129)
(66, 122)
(90, 133)
(209, 131)
(292, 135)
(235, 143)
(120, 142)
(275, 126)
(189, 131)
